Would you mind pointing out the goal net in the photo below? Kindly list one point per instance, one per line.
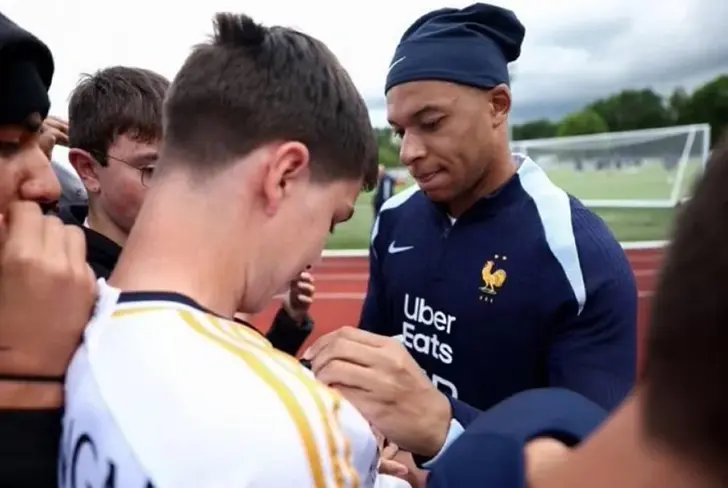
(651, 168)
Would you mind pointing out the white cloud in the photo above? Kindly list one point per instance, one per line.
(574, 51)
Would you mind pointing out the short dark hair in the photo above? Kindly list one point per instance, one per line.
(251, 85)
(686, 369)
(112, 102)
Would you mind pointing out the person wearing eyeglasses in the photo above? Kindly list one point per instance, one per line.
(113, 134)
(115, 124)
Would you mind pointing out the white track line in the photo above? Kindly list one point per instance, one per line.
(329, 276)
(360, 296)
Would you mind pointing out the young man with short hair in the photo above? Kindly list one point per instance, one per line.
(115, 128)
(115, 125)
(266, 146)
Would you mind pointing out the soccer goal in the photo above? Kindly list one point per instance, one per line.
(652, 168)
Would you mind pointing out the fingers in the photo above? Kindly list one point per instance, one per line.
(393, 468)
(24, 226)
(75, 250)
(3, 231)
(390, 451)
(54, 240)
(349, 351)
(346, 334)
(305, 299)
(306, 287)
(340, 374)
(58, 128)
(47, 141)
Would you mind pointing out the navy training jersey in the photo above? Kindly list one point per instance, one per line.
(527, 289)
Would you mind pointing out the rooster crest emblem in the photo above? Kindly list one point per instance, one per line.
(493, 278)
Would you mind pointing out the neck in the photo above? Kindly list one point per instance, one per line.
(99, 221)
(620, 455)
(499, 172)
(180, 244)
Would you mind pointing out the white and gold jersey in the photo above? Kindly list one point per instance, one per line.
(164, 394)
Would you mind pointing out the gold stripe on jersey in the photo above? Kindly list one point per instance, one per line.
(347, 445)
(285, 395)
(125, 312)
(236, 334)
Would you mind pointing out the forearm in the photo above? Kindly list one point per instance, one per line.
(20, 395)
(461, 415)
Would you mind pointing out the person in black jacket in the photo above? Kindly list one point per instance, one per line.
(385, 189)
(46, 287)
(115, 124)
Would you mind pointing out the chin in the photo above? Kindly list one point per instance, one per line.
(439, 195)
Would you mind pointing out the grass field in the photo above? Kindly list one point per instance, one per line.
(650, 182)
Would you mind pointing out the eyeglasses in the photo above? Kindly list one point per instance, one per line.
(145, 172)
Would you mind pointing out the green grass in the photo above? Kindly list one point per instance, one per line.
(651, 182)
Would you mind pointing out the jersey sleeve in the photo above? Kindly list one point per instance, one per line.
(490, 451)
(594, 353)
(375, 317)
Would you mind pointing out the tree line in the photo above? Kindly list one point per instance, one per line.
(639, 109)
(623, 111)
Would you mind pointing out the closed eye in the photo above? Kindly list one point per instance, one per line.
(430, 126)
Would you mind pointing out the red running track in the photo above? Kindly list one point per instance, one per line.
(341, 285)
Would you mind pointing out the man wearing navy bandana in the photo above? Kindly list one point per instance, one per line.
(493, 279)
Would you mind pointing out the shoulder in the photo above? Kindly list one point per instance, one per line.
(593, 237)
(402, 199)
(200, 380)
(577, 238)
(406, 201)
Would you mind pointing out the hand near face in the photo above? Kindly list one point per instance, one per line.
(300, 296)
(47, 291)
(58, 128)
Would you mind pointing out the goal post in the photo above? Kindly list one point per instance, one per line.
(651, 168)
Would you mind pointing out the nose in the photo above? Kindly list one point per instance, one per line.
(411, 149)
(39, 183)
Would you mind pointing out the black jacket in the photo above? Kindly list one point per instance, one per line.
(102, 254)
(29, 445)
(384, 191)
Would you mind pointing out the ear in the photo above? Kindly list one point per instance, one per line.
(288, 166)
(500, 102)
(86, 167)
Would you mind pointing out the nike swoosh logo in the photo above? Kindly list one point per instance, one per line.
(393, 249)
(396, 63)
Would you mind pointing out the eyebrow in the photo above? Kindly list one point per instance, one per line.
(420, 113)
(147, 157)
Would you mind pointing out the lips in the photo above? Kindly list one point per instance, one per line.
(426, 177)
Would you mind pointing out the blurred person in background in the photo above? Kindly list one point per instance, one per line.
(46, 288)
(114, 131)
(385, 189)
(72, 190)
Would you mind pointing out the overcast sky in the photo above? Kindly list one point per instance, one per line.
(574, 51)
